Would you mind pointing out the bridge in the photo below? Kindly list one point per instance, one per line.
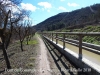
(82, 54)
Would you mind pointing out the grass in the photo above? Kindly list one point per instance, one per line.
(30, 65)
(32, 58)
(89, 39)
(32, 42)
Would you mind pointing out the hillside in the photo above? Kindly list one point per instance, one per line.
(74, 19)
(88, 28)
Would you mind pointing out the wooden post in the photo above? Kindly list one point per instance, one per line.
(63, 41)
(52, 36)
(80, 46)
(42, 34)
(47, 35)
(56, 38)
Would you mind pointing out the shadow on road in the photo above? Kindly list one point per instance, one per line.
(57, 57)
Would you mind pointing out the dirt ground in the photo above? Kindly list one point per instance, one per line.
(43, 65)
(32, 61)
(22, 63)
(39, 58)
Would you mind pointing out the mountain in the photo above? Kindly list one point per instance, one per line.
(74, 19)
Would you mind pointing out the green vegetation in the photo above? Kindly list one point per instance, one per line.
(75, 19)
(88, 28)
(30, 65)
(31, 42)
(81, 20)
(32, 58)
(89, 39)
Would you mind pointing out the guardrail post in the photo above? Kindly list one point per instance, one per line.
(43, 34)
(80, 46)
(63, 41)
(56, 38)
(52, 36)
(46, 35)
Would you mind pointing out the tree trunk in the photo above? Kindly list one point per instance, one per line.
(27, 40)
(10, 34)
(6, 57)
(21, 42)
(30, 37)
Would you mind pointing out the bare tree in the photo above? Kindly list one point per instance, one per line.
(29, 31)
(10, 21)
(6, 25)
(22, 31)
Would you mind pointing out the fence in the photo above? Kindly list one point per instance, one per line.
(55, 35)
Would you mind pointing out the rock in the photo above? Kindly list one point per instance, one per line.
(42, 71)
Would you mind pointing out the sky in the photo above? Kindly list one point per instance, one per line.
(43, 9)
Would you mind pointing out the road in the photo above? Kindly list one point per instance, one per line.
(43, 63)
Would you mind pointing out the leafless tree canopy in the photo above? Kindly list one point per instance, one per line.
(11, 24)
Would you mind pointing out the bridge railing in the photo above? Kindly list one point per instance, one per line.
(55, 35)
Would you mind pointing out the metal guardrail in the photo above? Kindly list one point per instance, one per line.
(54, 35)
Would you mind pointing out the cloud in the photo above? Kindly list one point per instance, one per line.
(48, 10)
(28, 6)
(15, 9)
(72, 4)
(63, 9)
(9, 6)
(46, 5)
(62, 0)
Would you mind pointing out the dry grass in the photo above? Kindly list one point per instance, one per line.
(19, 59)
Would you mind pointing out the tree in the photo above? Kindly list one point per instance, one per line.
(22, 31)
(6, 24)
(28, 34)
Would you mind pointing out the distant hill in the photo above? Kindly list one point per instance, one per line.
(74, 19)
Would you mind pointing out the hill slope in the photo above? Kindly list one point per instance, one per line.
(77, 18)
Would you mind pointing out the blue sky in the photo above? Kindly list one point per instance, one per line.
(43, 9)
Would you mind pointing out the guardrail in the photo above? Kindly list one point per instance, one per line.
(54, 35)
